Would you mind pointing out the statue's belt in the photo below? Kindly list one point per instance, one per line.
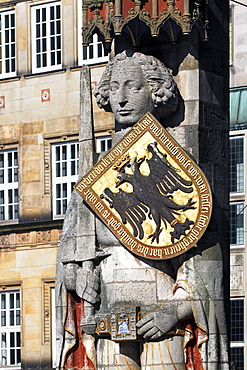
(119, 325)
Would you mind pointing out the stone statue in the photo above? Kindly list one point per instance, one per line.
(181, 323)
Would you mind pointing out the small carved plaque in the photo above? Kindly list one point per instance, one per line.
(103, 325)
(123, 323)
(149, 193)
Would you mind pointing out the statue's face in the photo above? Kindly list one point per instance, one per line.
(130, 96)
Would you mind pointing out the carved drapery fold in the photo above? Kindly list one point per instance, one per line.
(108, 19)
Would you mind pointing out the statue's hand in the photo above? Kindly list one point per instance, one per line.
(87, 286)
(155, 324)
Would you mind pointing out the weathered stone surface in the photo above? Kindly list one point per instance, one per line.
(168, 292)
(238, 69)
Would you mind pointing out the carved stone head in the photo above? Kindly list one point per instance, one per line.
(133, 84)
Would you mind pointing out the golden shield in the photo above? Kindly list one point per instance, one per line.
(149, 192)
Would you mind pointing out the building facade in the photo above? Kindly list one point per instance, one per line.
(41, 53)
(40, 57)
(238, 189)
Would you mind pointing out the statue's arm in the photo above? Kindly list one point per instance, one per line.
(75, 250)
(198, 282)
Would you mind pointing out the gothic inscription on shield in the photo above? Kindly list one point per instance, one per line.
(149, 193)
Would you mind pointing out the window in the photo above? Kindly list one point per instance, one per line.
(7, 44)
(237, 223)
(46, 38)
(94, 52)
(10, 343)
(237, 164)
(238, 111)
(237, 333)
(103, 143)
(65, 158)
(9, 185)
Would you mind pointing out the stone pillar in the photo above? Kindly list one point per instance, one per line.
(22, 21)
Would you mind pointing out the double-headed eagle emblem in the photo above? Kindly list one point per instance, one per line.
(151, 196)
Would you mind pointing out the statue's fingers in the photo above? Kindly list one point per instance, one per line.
(96, 285)
(95, 296)
(96, 278)
(90, 298)
(145, 319)
(91, 295)
(93, 282)
(145, 328)
(150, 333)
(157, 335)
(87, 297)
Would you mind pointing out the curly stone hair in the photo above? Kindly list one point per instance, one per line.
(162, 85)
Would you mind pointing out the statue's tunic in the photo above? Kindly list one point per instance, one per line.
(126, 280)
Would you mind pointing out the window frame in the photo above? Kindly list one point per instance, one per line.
(232, 203)
(49, 50)
(6, 186)
(70, 179)
(239, 344)
(11, 328)
(94, 45)
(100, 139)
(95, 59)
(232, 138)
(12, 73)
